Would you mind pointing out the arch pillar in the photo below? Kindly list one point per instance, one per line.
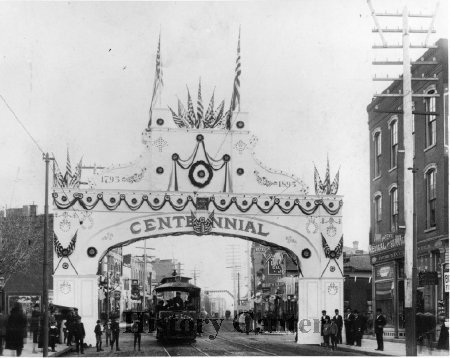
(314, 296)
(80, 291)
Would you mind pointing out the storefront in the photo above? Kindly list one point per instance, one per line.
(388, 291)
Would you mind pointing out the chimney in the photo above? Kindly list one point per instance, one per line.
(355, 245)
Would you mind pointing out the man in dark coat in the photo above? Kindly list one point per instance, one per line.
(34, 325)
(339, 322)
(79, 334)
(115, 330)
(177, 302)
(348, 321)
(323, 319)
(380, 322)
(16, 330)
(2, 331)
(358, 327)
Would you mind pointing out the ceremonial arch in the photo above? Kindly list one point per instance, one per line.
(197, 178)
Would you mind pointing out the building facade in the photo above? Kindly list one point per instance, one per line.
(21, 257)
(430, 132)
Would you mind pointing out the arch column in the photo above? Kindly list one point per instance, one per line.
(314, 296)
(80, 291)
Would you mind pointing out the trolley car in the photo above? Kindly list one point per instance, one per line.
(177, 310)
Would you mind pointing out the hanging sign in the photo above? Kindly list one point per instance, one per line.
(446, 281)
(384, 272)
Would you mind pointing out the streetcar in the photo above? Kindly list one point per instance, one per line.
(177, 309)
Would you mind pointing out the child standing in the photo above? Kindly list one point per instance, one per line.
(136, 329)
(334, 329)
(98, 336)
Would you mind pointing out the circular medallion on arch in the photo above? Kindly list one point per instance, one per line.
(65, 265)
(306, 253)
(92, 251)
(160, 121)
(200, 174)
(240, 171)
(160, 170)
(240, 124)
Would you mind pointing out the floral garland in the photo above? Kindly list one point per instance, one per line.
(180, 204)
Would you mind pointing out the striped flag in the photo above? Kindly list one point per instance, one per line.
(199, 105)
(335, 185)
(158, 83)
(236, 96)
(68, 175)
(181, 109)
(77, 176)
(177, 119)
(326, 182)
(191, 114)
(209, 115)
(218, 114)
(318, 186)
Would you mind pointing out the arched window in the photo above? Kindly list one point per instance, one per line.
(393, 126)
(377, 200)
(430, 107)
(430, 180)
(377, 153)
(393, 194)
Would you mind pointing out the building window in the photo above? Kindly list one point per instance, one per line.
(430, 106)
(394, 208)
(377, 207)
(377, 153)
(430, 179)
(393, 126)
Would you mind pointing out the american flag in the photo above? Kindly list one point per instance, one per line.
(76, 177)
(191, 114)
(209, 115)
(335, 185)
(68, 175)
(236, 97)
(318, 186)
(177, 119)
(199, 105)
(326, 182)
(158, 83)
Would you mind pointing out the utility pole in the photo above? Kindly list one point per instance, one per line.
(144, 284)
(47, 160)
(408, 145)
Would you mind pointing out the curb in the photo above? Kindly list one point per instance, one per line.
(60, 353)
(362, 352)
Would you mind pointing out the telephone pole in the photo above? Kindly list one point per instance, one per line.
(144, 283)
(409, 169)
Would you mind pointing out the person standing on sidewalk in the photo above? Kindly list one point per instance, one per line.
(98, 336)
(348, 321)
(334, 330)
(34, 325)
(16, 329)
(358, 327)
(136, 330)
(380, 322)
(107, 329)
(339, 322)
(79, 333)
(115, 330)
(325, 320)
(2, 331)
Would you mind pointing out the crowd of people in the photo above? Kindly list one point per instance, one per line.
(355, 326)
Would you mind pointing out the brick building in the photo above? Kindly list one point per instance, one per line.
(24, 229)
(430, 131)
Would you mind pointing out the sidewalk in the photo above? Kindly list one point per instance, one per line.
(28, 350)
(390, 349)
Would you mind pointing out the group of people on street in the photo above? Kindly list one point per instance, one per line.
(111, 330)
(355, 325)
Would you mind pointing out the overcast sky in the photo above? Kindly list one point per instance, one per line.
(80, 75)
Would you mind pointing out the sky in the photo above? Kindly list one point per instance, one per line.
(79, 75)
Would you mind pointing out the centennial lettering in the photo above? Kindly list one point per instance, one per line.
(164, 223)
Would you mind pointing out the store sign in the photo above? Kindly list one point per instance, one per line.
(428, 278)
(387, 242)
(446, 281)
(274, 267)
(385, 272)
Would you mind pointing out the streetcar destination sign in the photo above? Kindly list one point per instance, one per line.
(182, 221)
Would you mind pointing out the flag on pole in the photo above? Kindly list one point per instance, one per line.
(68, 175)
(326, 182)
(209, 115)
(318, 186)
(199, 105)
(158, 82)
(236, 97)
(191, 114)
(335, 185)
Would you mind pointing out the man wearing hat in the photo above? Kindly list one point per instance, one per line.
(177, 301)
(323, 320)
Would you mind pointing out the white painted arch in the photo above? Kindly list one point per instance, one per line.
(155, 197)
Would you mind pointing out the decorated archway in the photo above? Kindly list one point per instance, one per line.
(198, 174)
